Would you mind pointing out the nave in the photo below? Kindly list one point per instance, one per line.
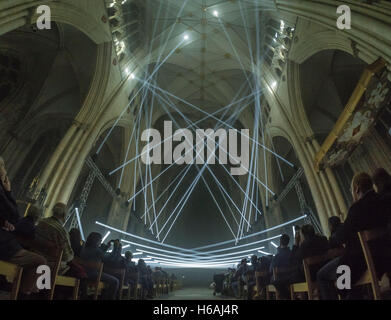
(166, 149)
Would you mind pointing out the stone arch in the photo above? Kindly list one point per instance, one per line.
(317, 42)
(282, 173)
(57, 81)
(69, 14)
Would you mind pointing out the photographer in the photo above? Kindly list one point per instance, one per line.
(114, 258)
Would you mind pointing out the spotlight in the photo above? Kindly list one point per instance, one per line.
(132, 76)
(186, 37)
(216, 13)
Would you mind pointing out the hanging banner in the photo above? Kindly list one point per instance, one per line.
(371, 95)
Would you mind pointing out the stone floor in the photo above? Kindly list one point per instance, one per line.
(194, 294)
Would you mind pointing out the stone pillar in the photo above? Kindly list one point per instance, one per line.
(56, 155)
(334, 188)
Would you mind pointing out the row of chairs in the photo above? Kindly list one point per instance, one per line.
(13, 275)
(309, 287)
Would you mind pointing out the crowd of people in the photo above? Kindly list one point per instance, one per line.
(32, 241)
(371, 209)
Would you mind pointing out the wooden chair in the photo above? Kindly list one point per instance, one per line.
(370, 276)
(70, 282)
(277, 272)
(49, 250)
(133, 289)
(271, 289)
(165, 286)
(259, 288)
(309, 286)
(54, 272)
(120, 274)
(160, 287)
(13, 275)
(63, 281)
(139, 291)
(96, 285)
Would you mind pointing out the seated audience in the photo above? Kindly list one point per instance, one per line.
(143, 277)
(51, 231)
(10, 249)
(227, 282)
(365, 213)
(93, 252)
(238, 277)
(114, 258)
(131, 270)
(382, 182)
(25, 228)
(250, 275)
(307, 244)
(150, 282)
(263, 266)
(172, 281)
(335, 226)
(76, 241)
(283, 257)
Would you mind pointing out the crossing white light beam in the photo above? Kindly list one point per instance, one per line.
(79, 223)
(192, 125)
(219, 120)
(251, 235)
(194, 257)
(218, 206)
(187, 120)
(265, 253)
(233, 179)
(224, 256)
(135, 95)
(273, 244)
(106, 235)
(200, 256)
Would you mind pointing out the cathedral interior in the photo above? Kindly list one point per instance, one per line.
(88, 88)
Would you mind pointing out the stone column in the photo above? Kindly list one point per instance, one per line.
(334, 187)
(56, 155)
(330, 189)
